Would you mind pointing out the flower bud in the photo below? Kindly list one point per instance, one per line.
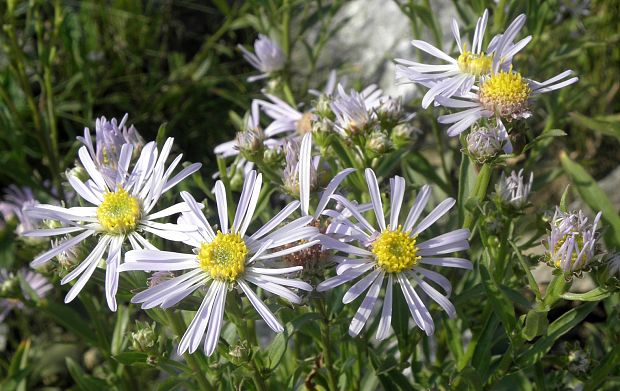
(390, 111)
(403, 134)
(377, 143)
(143, 339)
(484, 143)
(250, 142)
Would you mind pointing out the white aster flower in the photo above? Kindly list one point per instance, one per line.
(267, 57)
(122, 211)
(504, 95)
(224, 261)
(513, 190)
(355, 111)
(571, 244)
(393, 252)
(37, 284)
(109, 139)
(459, 75)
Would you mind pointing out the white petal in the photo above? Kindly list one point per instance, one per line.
(383, 330)
(79, 285)
(222, 206)
(94, 256)
(276, 220)
(84, 191)
(111, 272)
(251, 205)
(244, 200)
(360, 287)
(330, 189)
(435, 215)
(375, 197)
(304, 172)
(437, 297)
(397, 192)
(65, 245)
(418, 311)
(349, 275)
(261, 308)
(432, 50)
(91, 169)
(365, 309)
(418, 206)
(215, 323)
(448, 262)
(197, 213)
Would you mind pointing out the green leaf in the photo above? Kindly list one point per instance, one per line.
(595, 294)
(563, 200)
(120, 328)
(558, 328)
(276, 350)
(131, 358)
(526, 268)
(595, 197)
(600, 373)
(608, 125)
(548, 134)
(419, 164)
(536, 324)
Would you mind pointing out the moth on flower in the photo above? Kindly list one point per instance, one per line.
(268, 57)
(123, 203)
(393, 252)
(459, 75)
(226, 260)
(571, 243)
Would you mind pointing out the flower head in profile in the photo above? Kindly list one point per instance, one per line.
(110, 136)
(355, 111)
(396, 253)
(458, 76)
(122, 210)
(571, 243)
(37, 284)
(513, 190)
(504, 95)
(268, 57)
(225, 260)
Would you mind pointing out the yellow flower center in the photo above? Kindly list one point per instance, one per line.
(224, 257)
(475, 64)
(304, 124)
(119, 212)
(395, 250)
(505, 93)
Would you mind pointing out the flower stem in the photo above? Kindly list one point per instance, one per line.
(178, 326)
(480, 191)
(325, 339)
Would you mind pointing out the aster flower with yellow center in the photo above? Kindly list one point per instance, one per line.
(224, 261)
(123, 210)
(459, 75)
(571, 243)
(395, 253)
(504, 95)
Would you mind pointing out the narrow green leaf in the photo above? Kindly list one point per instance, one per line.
(84, 382)
(120, 328)
(595, 197)
(600, 373)
(595, 294)
(161, 135)
(70, 319)
(607, 124)
(536, 324)
(548, 134)
(526, 268)
(276, 350)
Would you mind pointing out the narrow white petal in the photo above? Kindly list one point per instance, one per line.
(197, 213)
(417, 308)
(304, 160)
(330, 189)
(261, 308)
(360, 287)
(251, 205)
(65, 245)
(432, 50)
(111, 271)
(222, 206)
(435, 215)
(347, 276)
(79, 285)
(375, 197)
(242, 205)
(448, 262)
(437, 297)
(365, 309)
(276, 220)
(397, 192)
(215, 323)
(84, 191)
(383, 330)
(94, 256)
(418, 206)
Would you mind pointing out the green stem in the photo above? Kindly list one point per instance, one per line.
(557, 286)
(479, 193)
(327, 351)
(178, 327)
(259, 382)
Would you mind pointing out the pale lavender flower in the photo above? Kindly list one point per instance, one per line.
(393, 252)
(571, 244)
(14, 201)
(36, 282)
(122, 211)
(459, 75)
(110, 136)
(513, 190)
(267, 57)
(226, 261)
